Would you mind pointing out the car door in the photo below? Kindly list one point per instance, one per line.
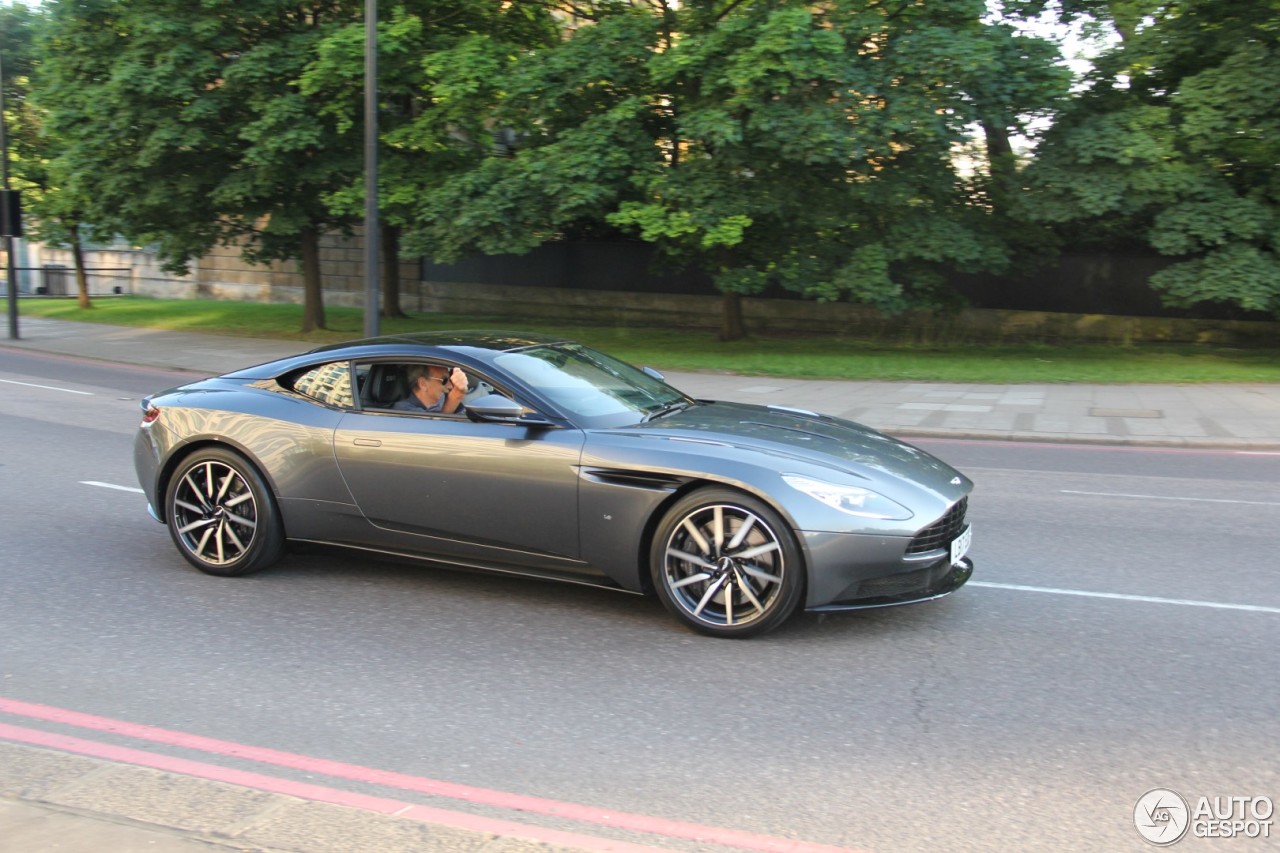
(443, 485)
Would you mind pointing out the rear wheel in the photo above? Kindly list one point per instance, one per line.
(726, 564)
(221, 514)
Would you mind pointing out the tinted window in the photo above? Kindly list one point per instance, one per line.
(328, 383)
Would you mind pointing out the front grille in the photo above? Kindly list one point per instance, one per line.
(940, 533)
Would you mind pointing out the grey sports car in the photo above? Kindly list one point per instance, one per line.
(562, 463)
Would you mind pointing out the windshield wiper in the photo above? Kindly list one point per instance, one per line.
(669, 409)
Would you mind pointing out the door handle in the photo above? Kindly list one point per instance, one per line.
(368, 442)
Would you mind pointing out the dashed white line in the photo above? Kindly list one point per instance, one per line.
(1169, 498)
(1146, 599)
(133, 489)
(46, 387)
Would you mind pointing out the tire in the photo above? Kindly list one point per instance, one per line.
(221, 514)
(726, 565)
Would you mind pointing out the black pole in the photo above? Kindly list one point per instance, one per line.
(11, 275)
(371, 236)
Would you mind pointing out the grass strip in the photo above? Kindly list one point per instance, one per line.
(809, 357)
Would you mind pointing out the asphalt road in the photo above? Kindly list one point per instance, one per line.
(1120, 635)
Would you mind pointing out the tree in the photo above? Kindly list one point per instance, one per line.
(808, 145)
(1176, 142)
(185, 125)
(423, 139)
(52, 214)
(47, 218)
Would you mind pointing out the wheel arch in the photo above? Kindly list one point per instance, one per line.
(181, 454)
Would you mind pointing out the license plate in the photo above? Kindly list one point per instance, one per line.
(960, 545)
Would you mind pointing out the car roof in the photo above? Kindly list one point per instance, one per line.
(478, 344)
(452, 339)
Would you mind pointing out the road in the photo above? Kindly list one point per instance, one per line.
(1120, 635)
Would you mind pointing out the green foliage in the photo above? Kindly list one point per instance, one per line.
(1176, 142)
(184, 123)
(442, 65)
(762, 142)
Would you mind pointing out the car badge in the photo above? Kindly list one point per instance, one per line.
(955, 481)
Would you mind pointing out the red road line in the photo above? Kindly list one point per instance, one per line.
(318, 793)
(420, 784)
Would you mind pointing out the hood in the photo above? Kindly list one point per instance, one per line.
(819, 439)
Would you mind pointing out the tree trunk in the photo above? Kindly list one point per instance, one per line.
(313, 296)
(82, 280)
(732, 327)
(1003, 166)
(391, 271)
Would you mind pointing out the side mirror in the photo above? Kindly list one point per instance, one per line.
(649, 371)
(495, 408)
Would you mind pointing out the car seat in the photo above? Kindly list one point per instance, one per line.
(384, 387)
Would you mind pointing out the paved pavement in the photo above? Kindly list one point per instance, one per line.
(51, 801)
(1209, 416)
(56, 802)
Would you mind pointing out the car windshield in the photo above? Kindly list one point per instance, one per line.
(594, 389)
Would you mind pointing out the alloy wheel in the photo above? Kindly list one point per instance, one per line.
(724, 566)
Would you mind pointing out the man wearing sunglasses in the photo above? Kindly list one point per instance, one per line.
(434, 388)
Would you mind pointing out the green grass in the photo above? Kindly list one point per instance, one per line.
(677, 349)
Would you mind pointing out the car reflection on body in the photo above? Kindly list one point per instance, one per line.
(567, 464)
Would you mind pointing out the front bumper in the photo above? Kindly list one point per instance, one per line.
(905, 588)
(851, 571)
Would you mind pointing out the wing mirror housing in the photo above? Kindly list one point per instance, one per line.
(654, 374)
(495, 408)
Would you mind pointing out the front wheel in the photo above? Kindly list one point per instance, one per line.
(221, 514)
(726, 564)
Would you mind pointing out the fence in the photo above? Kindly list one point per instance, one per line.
(58, 280)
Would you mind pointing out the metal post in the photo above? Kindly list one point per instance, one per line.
(371, 232)
(11, 274)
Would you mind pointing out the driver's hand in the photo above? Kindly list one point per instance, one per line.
(458, 380)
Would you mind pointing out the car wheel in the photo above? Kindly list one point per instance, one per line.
(221, 514)
(726, 564)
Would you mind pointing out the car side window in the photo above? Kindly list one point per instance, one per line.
(328, 383)
(384, 384)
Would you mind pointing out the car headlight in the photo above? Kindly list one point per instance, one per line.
(853, 500)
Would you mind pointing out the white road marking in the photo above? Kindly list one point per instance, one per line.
(1168, 498)
(47, 387)
(1147, 599)
(112, 486)
(1257, 453)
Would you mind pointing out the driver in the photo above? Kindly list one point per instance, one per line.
(434, 388)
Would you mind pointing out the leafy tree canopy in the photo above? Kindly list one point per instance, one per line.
(185, 124)
(805, 144)
(1175, 142)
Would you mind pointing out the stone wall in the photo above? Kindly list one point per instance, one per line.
(791, 316)
(223, 275)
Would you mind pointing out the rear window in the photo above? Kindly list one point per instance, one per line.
(329, 384)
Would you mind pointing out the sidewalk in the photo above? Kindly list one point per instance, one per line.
(1241, 417)
(54, 802)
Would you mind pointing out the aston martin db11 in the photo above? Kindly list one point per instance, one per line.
(558, 462)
